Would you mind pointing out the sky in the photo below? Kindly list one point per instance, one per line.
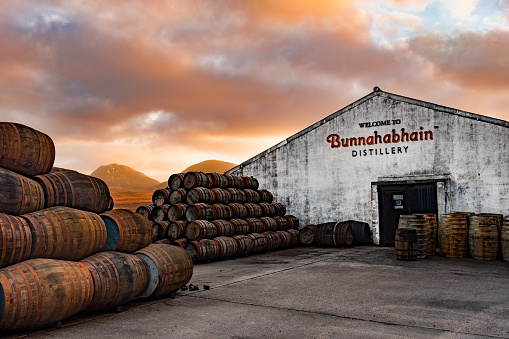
(160, 85)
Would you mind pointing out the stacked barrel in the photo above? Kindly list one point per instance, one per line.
(426, 228)
(60, 251)
(336, 234)
(215, 215)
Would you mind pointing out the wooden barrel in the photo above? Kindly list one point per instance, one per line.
(199, 229)
(218, 180)
(333, 234)
(237, 195)
(245, 243)
(160, 213)
(282, 223)
(182, 242)
(146, 211)
(224, 228)
(253, 210)
(65, 233)
(419, 223)
(161, 196)
(25, 150)
(294, 234)
(200, 194)
(177, 229)
(286, 239)
(41, 292)
(202, 250)
(265, 196)
(504, 239)
(163, 241)
(241, 226)
(431, 221)
(453, 234)
(222, 195)
(19, 194)
(483, 236)
(176, 181)
(406, 244)
(222, 211)
(260, 242)
(268, 210)
(228, 247)
(200, 211)
(256, 225)
(293, 221)
(251, 195)
(234, 181)
(307, 235)
(361, 232)
(118, 278)
(280, 209)
(15, 240)
(160, 230)
(76, 190)
(177, 212)
(250, 183)
(270, 223)
(170, 269)
(273, 240)
(196, 179)
(238, 210)
(178, 196)
(127, 231)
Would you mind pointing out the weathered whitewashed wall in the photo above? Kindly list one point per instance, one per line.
(320, 183)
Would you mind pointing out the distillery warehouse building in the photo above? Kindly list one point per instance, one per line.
(386, 155)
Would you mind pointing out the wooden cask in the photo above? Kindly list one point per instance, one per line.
(177, 196)
(293, 221)
(41, 292)
(453, 234)
(222, 211)
(251, 195)
(228, 247)
(160, 213)
(25, 150)
(127, 231)
(333, 234)
(182, 242)
(282, 223)
(224, 228)
(260, 242)
(196, 179)
(177, 229)
(218, 180)
(268, 210)
(118, 278)
(241, 226)
(15, 240)
(199, 229)
(170, 269)
(200, 194)
(234, 181)
(19, 194)
(406, 244)
(270, 224)
(161, 196)
(177, 212)
(65, 233)
(245, 244)
(146, 211)
(256, 225)
(76, 190)
(294, 236)
(307, 235)
(160, 230)
(265, 196)
(222, 195)
(250, 183)
(361, 232)
(273, 240)
(253, 210)
(237, 195)
(484, 236)
(238, 210)
(202, 250)
(200, 211)
(176, 180)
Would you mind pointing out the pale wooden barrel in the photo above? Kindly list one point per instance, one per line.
(483, 236)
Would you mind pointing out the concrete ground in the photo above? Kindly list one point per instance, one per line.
(356, 292)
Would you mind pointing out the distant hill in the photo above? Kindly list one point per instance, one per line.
(124, 178)
(209, 166)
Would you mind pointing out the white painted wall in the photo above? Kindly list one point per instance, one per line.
(319, 183)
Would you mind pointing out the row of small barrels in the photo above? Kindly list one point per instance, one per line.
(21, 194)
(209, 212)
(210, 180)
(210, 195)
(70, 234)
(41, 292)
(336, 234)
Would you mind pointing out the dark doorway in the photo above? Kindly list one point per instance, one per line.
(395, 200)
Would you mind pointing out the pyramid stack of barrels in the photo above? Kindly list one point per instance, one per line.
(215, 215)
(63, 249)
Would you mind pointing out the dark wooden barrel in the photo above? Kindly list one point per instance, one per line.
(234, 181)
(504, 239)
(222, 211)
(160, 213)
(268, 210)
(307, 235)
(177, 229)
(239, 210)
(200, 194)
(483, 236)
(270, 223)
(200, 211)
(294, 237)
(19, 194)
(118, 278)
(273, 240)
(251, 195)
(256, 225)
(202, 250)
(218, 180)
(280, 209)
(222, 195)
(76, 190)
(146, 211)
(265, 196)
(65, 233)
(41, 292)
(170, 269)
(177, 212)
(237, 195)
(178, 196)
(224, 228)
(196, 179)
(182, 242)
(406, 245)
(241, 226)
(25, 150)
(160, 230)
(161, 196)
(176, 181)
(228, 247)
(163, 241)
(199, 229)
(245, 243)
(286, 239)
(127, 231)
(282, 223)
(293, 221)
(250, 182)
(253, 210)
(333, 234)
(15, 240)
(361, 232)
(260, 242)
